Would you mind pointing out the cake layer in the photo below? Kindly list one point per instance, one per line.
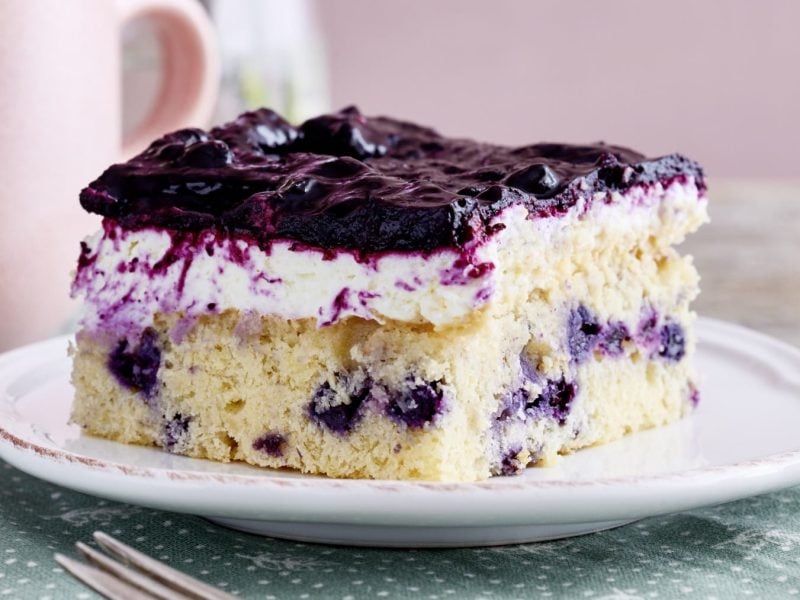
(344, 401)
(127, 276)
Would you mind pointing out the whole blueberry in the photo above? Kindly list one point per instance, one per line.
(672, 342)
(537, 179)
(345, 133)
(206, 155)
(137, 368)
(171, 152)
(257, 133)
(271, 443)
(417, 405)
(338, 417)
(492, 194)
(302, 191)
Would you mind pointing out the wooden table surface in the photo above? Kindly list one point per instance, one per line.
(749, 256)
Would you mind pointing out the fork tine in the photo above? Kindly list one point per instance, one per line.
(135, 578)
(166, 575)
(100, 581)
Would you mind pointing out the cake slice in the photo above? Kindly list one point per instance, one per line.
(363, 297)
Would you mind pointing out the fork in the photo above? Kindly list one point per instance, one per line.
(136, 577)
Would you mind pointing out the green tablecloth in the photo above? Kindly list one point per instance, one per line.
(747, 549)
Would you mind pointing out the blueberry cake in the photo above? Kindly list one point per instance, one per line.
(364, 297)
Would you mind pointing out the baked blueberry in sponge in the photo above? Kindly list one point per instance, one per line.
(363, 297)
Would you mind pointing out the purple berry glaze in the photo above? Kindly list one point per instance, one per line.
(583, 333)
(272, 444)
(555, 400)
(176, 430)
(346, 300)
(672, 341)
(417, 405)
(340, 418)
(345, 181)
(137, 368)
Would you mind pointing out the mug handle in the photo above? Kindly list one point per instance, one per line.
(190, 71)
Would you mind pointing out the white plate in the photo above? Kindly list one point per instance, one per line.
(742, 441)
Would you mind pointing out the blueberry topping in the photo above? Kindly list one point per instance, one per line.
(256, 134)
(538, 179)
(416, 406)
(613, 338)
(470, 191)
(170, 152)
(516, 400)
(182, 138)
(137, 368)
(272, 444)
(206, 155)
(430, 148)
(327, 409)
(302, 191)
(583, 332)
(346, 133)
(402, 184)
(488, 175)
(554, 401)
(672, 342)
(339, 168)
(175, 430)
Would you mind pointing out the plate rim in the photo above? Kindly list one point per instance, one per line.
(13, 443)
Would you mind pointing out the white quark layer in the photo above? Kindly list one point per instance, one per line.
(129, 276)
(125, 286)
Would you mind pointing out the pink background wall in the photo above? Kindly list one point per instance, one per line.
(717, 80)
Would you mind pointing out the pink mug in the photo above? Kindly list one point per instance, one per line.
(60, 126)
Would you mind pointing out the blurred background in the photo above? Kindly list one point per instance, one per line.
(717, 80)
